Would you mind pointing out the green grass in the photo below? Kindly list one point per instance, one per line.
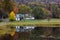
(45, 22)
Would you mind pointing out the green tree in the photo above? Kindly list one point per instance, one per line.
(58, 12)
(54, 9)
(38, 12)
(24, 9)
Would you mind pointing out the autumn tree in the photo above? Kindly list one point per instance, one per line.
(15, 8)
(0, 4)
(47, 13)
(12, 16)
(7, 5)
(24, 9)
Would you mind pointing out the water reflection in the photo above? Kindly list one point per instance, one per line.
(31, 33)
(24, 29)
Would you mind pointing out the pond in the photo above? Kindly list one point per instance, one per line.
(29, 33)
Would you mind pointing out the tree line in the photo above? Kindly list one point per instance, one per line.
(39, 11)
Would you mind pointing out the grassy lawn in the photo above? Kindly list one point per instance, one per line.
(45, 22)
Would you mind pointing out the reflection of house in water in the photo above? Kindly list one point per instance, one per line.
(24, 29)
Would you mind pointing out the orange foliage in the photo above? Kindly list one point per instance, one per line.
(15, 9)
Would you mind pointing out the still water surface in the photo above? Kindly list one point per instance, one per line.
(29, 33)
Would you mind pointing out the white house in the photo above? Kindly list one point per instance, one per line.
(25, 16)
(24, 29)
(17, 17)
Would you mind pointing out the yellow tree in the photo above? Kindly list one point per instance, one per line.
(12, 16)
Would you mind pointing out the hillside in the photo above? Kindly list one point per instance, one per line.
(37, 0)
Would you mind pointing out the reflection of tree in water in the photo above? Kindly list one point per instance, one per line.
(16, 36)
(37, 31)
(51, 32)
(6, 37)
(56, 31)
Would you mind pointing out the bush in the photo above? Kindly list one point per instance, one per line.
(12, 16)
